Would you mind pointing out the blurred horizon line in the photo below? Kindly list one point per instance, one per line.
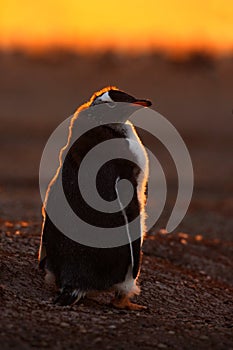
(53, 50)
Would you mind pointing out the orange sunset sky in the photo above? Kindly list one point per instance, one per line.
(121, 24)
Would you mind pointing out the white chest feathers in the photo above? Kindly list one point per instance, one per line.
(139, 152)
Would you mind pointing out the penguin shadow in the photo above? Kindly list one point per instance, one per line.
(91, 300)
(98, 300)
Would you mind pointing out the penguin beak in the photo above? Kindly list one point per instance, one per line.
(144, 103)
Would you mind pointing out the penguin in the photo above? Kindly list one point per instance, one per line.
(78, 269)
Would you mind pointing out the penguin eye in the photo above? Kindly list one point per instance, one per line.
(97, 101)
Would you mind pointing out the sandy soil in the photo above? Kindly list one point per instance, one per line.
(186, 278)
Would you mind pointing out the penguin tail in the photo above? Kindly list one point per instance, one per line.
(69, 296)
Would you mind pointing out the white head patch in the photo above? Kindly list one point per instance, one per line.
(105, 98)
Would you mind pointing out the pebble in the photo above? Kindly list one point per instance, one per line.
(204, 337)
(183, 235)
(82, 329)
(64, 324)
(163, 231)
(112, 326)
(103, 317)
(183, 241)
(97, 340)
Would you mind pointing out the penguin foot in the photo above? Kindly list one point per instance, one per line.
(68, 296)
(124, 302)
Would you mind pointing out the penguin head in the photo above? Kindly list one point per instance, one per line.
(113, 105)
(112, 94)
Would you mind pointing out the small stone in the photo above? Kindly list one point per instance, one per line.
(204, 337)
(183, 235)
(112, 326)
(64, 324)
(97, 340)
(198, 238)
(202, 272)
(24, 224)
(163, 231)
(183, 241)
(9, 224)
(103, 317)
(162, 346)
(82, 329)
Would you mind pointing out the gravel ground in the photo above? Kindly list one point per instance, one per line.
(186, 282)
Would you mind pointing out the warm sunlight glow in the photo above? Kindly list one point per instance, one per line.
(122, 24)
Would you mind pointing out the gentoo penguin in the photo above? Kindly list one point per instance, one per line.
(79, 269)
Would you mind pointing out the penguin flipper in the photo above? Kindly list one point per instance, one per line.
(69, 296)
(42, 250)
(42, 256)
